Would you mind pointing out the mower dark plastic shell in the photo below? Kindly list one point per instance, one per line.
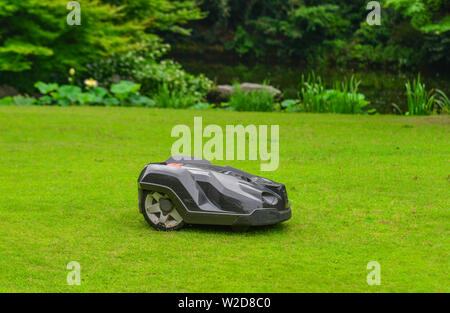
(220, 195)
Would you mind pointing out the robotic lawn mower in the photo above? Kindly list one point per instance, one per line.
(193, 191)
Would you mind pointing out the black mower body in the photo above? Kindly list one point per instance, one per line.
(219, 195)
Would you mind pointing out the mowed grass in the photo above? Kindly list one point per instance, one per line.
(362, 188)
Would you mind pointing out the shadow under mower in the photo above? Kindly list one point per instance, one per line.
(184, 190)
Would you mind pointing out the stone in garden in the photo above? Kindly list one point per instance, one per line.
(249, 87)
(7, 91)
(222, 93)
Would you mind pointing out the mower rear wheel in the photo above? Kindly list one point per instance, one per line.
(160, 212)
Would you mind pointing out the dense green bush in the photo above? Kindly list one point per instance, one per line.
(144, 65)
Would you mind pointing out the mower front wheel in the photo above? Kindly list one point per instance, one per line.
(160, 212)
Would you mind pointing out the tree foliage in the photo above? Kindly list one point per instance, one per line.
(36, 42)
(425, 15)
(160, 15)
(35, 34)
(411, 31)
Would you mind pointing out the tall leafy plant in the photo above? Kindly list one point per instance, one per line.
(420, 102)
(257, 100)
(342, 98)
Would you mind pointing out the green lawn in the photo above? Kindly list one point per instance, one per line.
(362, 188)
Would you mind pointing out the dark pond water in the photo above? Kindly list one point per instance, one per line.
(381, 88)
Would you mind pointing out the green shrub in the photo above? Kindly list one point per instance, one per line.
(145, 66)
(261, 100)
